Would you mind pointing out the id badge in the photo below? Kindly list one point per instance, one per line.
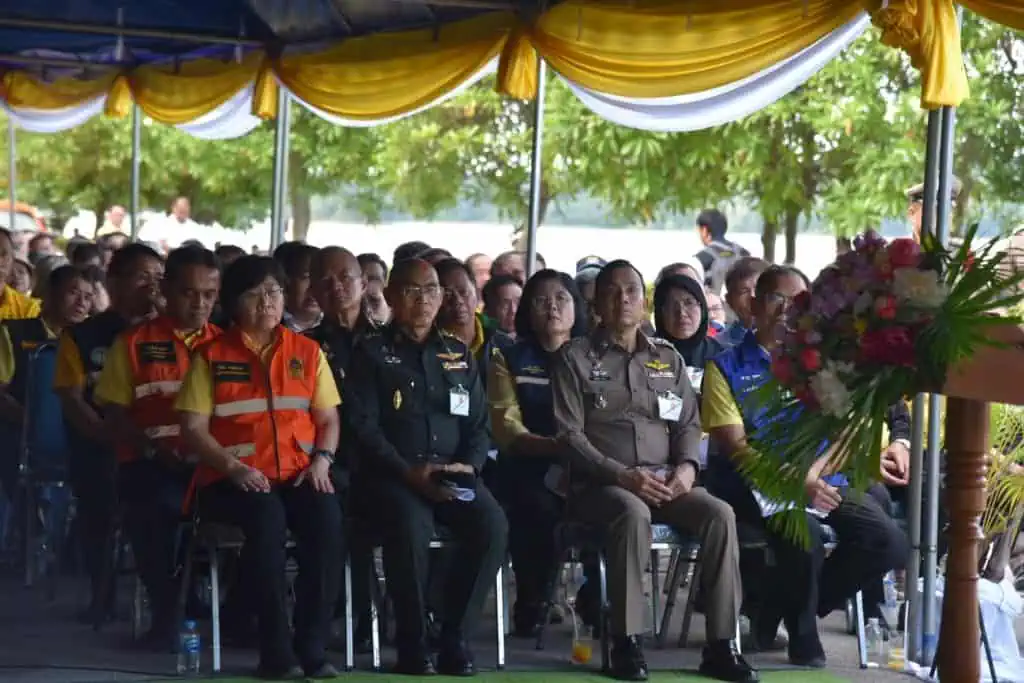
(696, 376)
(458, 402)
(670, 407)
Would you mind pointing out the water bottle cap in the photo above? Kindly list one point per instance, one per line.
(190, 623)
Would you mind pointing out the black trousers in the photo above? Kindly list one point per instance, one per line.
(151, 495)
(94, 483)
(803, 585)
(533, 513)
(406, 523)
(315, 522)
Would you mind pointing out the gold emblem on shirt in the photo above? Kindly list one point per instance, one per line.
(396, 401)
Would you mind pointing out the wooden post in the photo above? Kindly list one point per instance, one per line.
(959, 651)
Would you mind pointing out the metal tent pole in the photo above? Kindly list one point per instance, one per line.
(281, 133)
(536, 169)
(933, 468)
(914, 504)
(136, 167)
(12, 173)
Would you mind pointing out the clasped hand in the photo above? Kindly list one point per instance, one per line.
(421, 479)
(657, 490)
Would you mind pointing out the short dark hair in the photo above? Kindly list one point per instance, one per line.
(85, 252)
(501, 258)
(226, 252)
(474, 257)
(671, 269)
(368, 258)
(125, 258)
(181, 258)
(715, 221)
(523, 327)
(436, 254)
(490, 289)
(316, 263)
(407, 251)
(294, 258)
(605, 276)
(402, 269)
(244, 274)
(744, 268)
(93, 274)
(39, 237)
(62, 276)
(453, 265)
(768, 280)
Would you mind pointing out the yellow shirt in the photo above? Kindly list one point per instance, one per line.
(116, 384)
(718, 406)
(15, 305)
(196, 395)
(506, 417)
(7, 362)
(69, 372)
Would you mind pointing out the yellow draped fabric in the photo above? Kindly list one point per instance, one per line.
(928, 31)
(1006, 12)
(24, 90)
(660, 48)
(390, 74)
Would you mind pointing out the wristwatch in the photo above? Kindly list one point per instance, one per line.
(325, 454)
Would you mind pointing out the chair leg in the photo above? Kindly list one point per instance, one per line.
(655, 589)
(858, 615)
(375, 635)
(138, 606)
(215, 605)
(499, 608)
(186, 579)
(691, 599)
(350, 654)
(28, 509)
(678, 568)
(606, 655)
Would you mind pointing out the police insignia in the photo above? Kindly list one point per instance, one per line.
(449, 356)
(396, 401)
(657, 365)
(295, 368)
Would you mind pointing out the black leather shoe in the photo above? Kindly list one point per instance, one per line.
(628, 663)
(455, 660)
(722, 662)
(408, 665)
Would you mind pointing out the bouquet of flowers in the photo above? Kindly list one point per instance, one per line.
(883, 322)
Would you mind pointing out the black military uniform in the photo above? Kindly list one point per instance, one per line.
(410, 403)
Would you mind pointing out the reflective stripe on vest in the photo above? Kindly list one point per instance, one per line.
(157, 388)
(260, 405)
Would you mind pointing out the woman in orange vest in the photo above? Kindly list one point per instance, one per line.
(259, 410)
(137, 389)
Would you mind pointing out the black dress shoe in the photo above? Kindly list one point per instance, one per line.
(455, 660)
(722, 662)
(628, 663)
(409, 665)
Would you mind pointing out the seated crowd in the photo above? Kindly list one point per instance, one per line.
(316, 398)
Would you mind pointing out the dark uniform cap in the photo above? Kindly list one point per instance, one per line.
(590, 262)
(916, 193)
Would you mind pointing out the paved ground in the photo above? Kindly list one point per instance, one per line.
(41, 642)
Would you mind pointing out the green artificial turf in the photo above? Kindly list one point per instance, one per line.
(783, 676)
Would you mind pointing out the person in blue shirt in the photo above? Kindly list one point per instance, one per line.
(802, 585)
(739, 294)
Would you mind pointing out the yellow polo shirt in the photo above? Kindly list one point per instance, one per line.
(116, 384)
(196, 395)
(7, 361)
(15, 305)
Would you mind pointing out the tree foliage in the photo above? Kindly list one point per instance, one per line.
(840, 149)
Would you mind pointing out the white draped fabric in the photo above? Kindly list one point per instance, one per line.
(727, 103)
(54, 121)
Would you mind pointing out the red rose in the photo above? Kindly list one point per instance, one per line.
(888, 346)
(904, 252)
(806, 396)
(810, 360)
(969, 262)
(782, 368)
(885, 307)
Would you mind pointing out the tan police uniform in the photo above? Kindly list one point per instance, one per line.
(617, 410)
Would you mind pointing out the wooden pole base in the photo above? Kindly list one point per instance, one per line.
(959, 656)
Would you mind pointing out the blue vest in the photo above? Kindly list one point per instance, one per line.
(528, 365)
(746, 367)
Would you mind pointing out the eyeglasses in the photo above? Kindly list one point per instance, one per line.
(421, 292)
(270, 295)
(779, 299)
(543, 303)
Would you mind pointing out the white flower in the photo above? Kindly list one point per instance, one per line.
(830, 392)
(863, 303)
(920, 288)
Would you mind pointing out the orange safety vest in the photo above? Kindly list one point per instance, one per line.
(261, 410)
(158, 359)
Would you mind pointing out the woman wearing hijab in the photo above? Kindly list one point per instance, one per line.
(681, 317)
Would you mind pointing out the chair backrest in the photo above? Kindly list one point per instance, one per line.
(44, 441)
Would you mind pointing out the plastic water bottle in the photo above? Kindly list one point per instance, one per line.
(877, 653)
(890, 607)
(188, 650)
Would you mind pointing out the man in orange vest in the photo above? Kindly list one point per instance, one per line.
(139, 383)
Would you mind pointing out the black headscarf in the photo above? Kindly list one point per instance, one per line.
(699, 348)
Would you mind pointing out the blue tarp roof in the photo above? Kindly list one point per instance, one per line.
(272, 23)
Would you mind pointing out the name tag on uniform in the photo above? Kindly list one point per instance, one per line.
(670, 407)
(458, 402)
(157, 352)
(450, 365)
(224, 371)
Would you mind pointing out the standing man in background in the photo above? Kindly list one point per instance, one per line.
(718, 254)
